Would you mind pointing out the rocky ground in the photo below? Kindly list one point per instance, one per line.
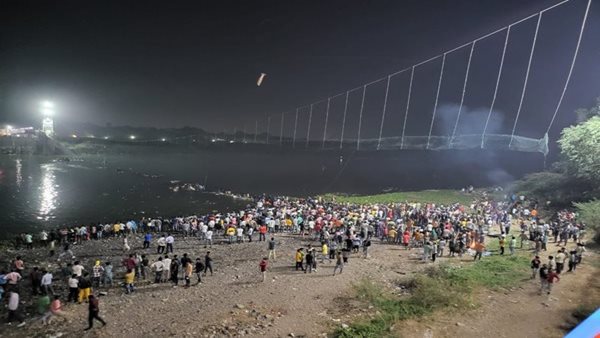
(235, 302)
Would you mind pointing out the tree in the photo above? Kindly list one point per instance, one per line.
(580, 146)
(589, 213)
(584, 114)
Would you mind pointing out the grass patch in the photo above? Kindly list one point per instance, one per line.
(440, 287)
(425, 196)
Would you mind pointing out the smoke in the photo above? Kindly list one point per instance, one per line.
(472, 121)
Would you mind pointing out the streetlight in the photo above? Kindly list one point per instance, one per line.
(132, 137)
(106, 137)
(163, 139)
(47, 110)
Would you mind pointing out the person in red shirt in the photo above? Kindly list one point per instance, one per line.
(263, 265)
(552, 275)
(262, 233)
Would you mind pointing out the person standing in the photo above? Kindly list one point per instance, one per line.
(263, 265)
(309, 261)
(13, 308)
(479, 248)
(108, 275)
(187, 273)
(170, 240)
(158, 268)
(512, 245)
(46, 282)
(544, 271)
(271, 248)
(502, 243)
(560, 261)
(85, 287)
(535, 266)
(129, 278)
(339, 264)
(161, 244)
(36, 279)
(262, 233)
(94, 312)
(97, 273)
(300, 259)
(147, 240)
(208, 263)
(209, 238)
(166, 269)
(73, 288)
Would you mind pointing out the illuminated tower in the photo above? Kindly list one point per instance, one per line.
(47, 110)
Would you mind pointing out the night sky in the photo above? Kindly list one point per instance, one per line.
(195, 63)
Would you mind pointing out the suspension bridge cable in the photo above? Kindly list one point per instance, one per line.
(362, 105)
(295, 126)
(268, 127)
(344, 120)
(309, 123)
(487, 121)
(464, 89)
(281, 133)
(387, 88)
(437, 96)
(562, 95)
(537, 28)
(326, 121)
(412, 73)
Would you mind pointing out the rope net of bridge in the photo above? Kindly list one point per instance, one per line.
(387, 114)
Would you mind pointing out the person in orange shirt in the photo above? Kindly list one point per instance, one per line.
(479, 248)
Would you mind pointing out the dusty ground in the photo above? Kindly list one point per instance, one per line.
(234, 302)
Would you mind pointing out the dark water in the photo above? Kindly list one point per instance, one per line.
(38, 192)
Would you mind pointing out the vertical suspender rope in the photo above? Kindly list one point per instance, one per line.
(487, 121)
(281, 132)
(255, 130)
(562, 95)
(234, 133)
(295, 126)
(326, 121)
(362, 105)
(268, 127)
(309, 123)
(244, 134)
(387, 88)
(344, 120)
(437, 96)
(537, 28)
(464, 89)
(412, 73)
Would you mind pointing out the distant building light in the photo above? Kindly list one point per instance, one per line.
(48, 104)
(163, 139)
(106, 137)
(132, 137)
(213, 140)
(8, 127)
(232, 141)
(92, 136)
(74, 136)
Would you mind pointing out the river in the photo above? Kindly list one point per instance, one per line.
(40, 192)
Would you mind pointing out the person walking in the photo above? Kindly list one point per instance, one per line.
(94, 312)
(199, 270)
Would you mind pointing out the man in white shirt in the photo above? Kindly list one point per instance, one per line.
(209, 236)
(158, 268)
(170, 240)
(47, 282)
(203, 230)
(77, 269)
(166, 268)
(13, 307)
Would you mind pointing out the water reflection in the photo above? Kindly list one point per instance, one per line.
(19, 175)
(48, 193)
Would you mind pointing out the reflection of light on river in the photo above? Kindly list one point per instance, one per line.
(19, 175)
(48, 193)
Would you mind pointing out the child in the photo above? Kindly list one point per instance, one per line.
(129, 277)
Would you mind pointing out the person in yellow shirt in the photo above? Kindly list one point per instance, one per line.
(230, 234)
(129, 278)
(325, 252)
(299, 259)
(117, 228)
(392, 235)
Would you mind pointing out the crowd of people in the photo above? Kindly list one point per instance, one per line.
(340, 229)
